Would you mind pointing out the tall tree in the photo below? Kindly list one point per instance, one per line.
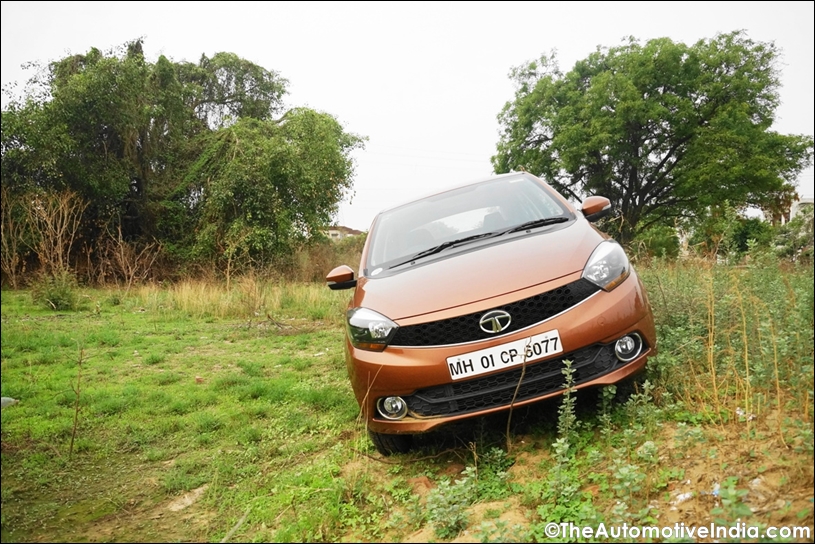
(663, 129)
(149, 144)
(266, 185)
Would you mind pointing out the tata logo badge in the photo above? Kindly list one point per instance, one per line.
(495, 321)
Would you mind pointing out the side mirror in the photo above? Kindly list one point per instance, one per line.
(596, 208)
(341, 277)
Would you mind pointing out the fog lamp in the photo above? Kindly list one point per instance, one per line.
(392, 407)
(628, 347)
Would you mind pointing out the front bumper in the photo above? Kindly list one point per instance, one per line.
(420, 374)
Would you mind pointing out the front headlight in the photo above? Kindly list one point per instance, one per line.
(369, 330)
(608, 265)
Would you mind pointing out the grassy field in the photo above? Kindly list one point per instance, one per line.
(189, 412)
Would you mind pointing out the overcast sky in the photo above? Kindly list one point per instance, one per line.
(424, 81)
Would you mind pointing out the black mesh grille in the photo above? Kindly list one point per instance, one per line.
(524, 313)
(497, 389)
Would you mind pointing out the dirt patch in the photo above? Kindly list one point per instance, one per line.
(483, 517)
(187, 499)
(717, 477)
(772, 483)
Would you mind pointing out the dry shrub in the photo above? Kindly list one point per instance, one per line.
(311, 263)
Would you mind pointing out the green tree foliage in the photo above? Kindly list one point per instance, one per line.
(721, 231)
(752, 232)
(201, 157)
(231, 88)
(796, 240)
(663, 129)
(658, 241)
(289, 175)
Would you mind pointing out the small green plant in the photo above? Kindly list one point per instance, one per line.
(415, 512)
(154, 359)
(648, 452)
(561, 499)
(686, 435)
(447, 505)
(501, 531)
(731, 506)
(619, 513)
(77, 389)
(563, 481)
(567, 419)
(492, 479)
(628, 477)
(605, 403)
(667, 475)
(410, 518)
(640, 408)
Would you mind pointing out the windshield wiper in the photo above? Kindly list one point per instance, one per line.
(536, 223)
(441, 247)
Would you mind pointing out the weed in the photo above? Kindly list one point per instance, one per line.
(731, 507)
(567, 420)
(185, 475)
(560, 498)
(628, 477)
(447, 505)
(501, 531)
(416, 513)
(640, 409)
(491, 474)
(206, 422)
(249, 435)
(686, 436)
(607, 394)
(648, 452)
(168, 378)
(154, 359)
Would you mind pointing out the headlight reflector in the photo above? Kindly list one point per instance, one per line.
(608, 265)
(369, 330)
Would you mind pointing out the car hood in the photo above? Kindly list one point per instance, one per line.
(474, 273)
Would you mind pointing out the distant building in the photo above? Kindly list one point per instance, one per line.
(339, 232)
(782, 216)
(798, 206)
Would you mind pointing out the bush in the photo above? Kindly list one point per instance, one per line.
(754, 229)
(56, 291)
(657, 241)
(796, 239)
(312, 262)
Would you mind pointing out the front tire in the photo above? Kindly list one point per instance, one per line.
(388, 444)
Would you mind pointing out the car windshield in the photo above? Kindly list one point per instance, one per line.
(460, 216)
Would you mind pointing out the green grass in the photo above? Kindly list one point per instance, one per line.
(240, 399)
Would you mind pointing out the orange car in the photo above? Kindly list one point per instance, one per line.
(464, 292)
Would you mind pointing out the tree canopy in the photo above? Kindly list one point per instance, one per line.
(662, 129)
(203, 158)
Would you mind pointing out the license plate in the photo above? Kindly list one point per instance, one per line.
(506, 355)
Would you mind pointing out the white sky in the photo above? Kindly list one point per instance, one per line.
(424, 81)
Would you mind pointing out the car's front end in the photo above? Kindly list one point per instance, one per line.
(479, 328)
